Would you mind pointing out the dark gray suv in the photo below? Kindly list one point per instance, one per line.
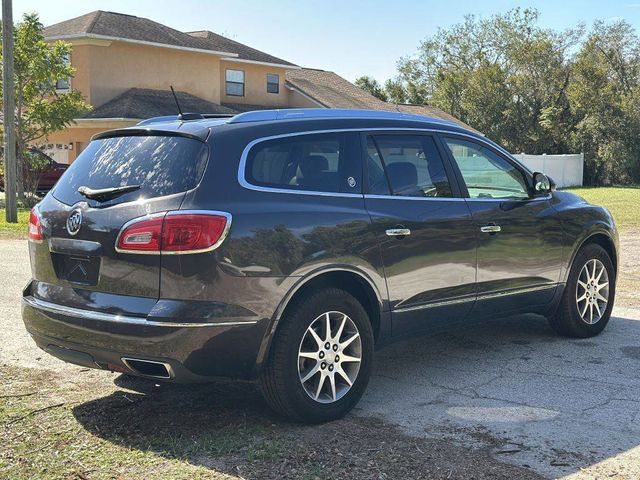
(287, 245)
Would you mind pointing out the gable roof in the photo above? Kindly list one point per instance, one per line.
(139, 103)
(245, 52)
(111, 25)
(330, 90)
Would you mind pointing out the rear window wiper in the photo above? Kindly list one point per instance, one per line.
(104, 194)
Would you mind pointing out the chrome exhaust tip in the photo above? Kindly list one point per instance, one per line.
(148, 368)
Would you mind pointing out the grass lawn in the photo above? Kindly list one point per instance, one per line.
(14, 230)
(622, 202)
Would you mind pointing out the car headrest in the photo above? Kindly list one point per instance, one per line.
(313, 164)
(403, 176)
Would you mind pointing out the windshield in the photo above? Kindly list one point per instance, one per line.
(161, 165)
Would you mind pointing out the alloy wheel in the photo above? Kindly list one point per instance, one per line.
(592, 291)
(329, 357)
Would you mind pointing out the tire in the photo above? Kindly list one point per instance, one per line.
(568, 320)
(282, 377)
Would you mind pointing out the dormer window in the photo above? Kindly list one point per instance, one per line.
(273, 83)
(234, 83)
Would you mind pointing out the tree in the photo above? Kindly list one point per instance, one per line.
(605, 98)
(536, 90)
(371, 85)
(40, 108)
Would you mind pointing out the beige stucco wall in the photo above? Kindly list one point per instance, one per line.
(255, 84)
(79, 135)
(105, 70)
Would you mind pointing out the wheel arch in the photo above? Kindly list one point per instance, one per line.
(352, 280)
(601, 238)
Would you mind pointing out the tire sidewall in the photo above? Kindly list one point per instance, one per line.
(303, 315)
(586, 254)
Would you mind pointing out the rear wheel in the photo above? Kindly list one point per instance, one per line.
(587, 300)
(321, 358)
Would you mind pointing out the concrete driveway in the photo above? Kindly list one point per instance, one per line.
(562, 407)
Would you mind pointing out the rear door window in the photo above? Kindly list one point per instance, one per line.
(161, 165)
(312, 162)
(406, 165)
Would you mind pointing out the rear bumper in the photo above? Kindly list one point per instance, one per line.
(190, 352)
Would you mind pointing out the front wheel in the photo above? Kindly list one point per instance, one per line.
(321, 358)
(587, 301)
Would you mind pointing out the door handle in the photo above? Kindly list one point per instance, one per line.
(398, 232)
(491, 229)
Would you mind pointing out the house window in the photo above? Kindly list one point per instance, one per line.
(235, 83)
(273, 83)
(63, 83)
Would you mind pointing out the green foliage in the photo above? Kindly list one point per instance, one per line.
(40, 108)
(372, 86)
(536, 90)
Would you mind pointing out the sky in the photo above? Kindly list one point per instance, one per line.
(349, 37)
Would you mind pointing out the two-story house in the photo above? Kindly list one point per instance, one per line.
(125, 65)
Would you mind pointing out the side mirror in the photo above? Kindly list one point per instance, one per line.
(542, 183)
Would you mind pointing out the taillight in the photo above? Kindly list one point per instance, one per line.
(175, 232)
(141, 236)
(35, 226)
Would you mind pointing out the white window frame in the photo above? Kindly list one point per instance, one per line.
(228, 82)
(276, 83)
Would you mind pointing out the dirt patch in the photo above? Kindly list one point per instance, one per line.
(628, 287)
(89, 427)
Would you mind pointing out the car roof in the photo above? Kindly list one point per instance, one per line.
(200, 126)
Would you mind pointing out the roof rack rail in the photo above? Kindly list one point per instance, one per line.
(314, 113)
(183, 117)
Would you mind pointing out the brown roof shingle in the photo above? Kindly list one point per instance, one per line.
(119, 25)
(332, 91)
(245, 52)
(141, 103)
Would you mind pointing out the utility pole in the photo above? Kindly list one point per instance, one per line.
(10, 168)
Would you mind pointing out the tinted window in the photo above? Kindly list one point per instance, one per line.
(486, 174)
(160, 165)
(411, 163)
(378, 183)
(305, 162)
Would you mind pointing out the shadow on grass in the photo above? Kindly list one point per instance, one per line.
(496, 377)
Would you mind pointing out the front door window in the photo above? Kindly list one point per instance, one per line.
(486, 174)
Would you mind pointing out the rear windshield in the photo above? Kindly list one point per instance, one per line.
(161, 165)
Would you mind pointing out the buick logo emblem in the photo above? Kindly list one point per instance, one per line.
(74, 222)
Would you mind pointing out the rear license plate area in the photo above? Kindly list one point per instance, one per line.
(78, 269)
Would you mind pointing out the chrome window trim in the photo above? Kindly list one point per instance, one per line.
(222, 238)
(403, 197)
(485, 296)
(250, 186)
(121, 319)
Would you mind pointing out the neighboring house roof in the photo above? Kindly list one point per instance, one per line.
(224, 44)
(433, 112)
(139, 103)
(330, 90)
(101, 24)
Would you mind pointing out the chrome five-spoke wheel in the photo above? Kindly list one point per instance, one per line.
(592, 291)
(329, 357)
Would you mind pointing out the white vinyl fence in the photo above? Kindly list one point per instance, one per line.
(566, 170)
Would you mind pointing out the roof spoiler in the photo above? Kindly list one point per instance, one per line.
(184, 117)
